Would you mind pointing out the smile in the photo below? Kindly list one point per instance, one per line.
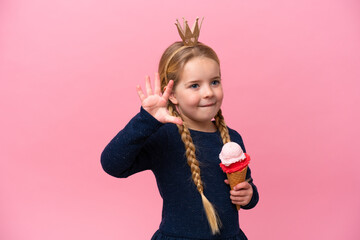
(208, 105)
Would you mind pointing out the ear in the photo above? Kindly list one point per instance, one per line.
(173, 99)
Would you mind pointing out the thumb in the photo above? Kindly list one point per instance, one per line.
(226, 181)
(173, 119)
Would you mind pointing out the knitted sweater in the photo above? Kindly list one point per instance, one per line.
(147, 144)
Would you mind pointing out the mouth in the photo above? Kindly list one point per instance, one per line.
(208, 105)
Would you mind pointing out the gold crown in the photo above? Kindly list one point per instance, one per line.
(189, 37)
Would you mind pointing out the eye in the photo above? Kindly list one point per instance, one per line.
(195, 85)
(215, 82)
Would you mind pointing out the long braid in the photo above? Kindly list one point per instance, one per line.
(221, 126)
(210, 211)
(191, 158)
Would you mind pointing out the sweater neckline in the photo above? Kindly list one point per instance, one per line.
(202, 132)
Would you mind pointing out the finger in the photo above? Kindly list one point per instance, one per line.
(242, 185)
(168, 90)
(140, 93)
(240, 202)
(226, 181)
(172, 119)
(236, 199)
(157, 84)
(240, 193)
(148, 86)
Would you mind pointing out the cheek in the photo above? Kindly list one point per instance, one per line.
(191, 99)
(220, 95)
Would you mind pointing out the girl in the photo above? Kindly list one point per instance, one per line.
(174, 136)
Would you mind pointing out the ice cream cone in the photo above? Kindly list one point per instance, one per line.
(236, 178)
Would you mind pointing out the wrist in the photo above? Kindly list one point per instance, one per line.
(147, 114)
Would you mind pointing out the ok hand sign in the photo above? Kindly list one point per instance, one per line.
(155, 103)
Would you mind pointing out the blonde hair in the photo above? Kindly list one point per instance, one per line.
(171, 65)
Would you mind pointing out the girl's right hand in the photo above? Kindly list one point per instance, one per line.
(155, 103)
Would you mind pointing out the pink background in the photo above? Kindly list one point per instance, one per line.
(68, 72)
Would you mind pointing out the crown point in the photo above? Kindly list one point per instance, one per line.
(189, 36)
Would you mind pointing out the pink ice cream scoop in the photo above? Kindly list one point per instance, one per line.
(233, 158)
(231, 153)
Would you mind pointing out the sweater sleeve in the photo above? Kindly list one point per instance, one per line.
(135, 148)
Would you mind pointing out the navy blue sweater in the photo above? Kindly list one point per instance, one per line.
(145, 143)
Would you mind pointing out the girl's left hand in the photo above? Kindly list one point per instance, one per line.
(241, 194)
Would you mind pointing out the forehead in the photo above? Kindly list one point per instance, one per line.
(200, 68)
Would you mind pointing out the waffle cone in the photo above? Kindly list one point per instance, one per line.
(236, 178)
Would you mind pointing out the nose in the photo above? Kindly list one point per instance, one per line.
(208, 92)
